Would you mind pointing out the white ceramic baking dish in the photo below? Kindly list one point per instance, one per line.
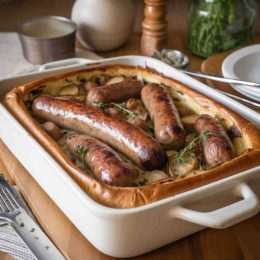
(131, 232)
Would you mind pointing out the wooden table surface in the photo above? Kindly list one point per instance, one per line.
(241, 241)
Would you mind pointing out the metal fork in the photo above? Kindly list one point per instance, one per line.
(13, 213)
(9, 210)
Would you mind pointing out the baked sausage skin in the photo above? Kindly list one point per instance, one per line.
(217, 147)
(105, 164)
(168, 128)
(124, 137)
(116, 92)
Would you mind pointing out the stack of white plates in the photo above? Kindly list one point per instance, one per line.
(244, 64)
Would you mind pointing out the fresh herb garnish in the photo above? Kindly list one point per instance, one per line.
(217, 27)
(122, 106)
(191, 146)
(79, 149)
(143, 182)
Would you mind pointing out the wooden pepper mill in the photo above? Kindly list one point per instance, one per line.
(154, 27)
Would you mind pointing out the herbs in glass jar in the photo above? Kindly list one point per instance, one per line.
(219, 25)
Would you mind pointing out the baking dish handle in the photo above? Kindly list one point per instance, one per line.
(73, 62)
(226, 216)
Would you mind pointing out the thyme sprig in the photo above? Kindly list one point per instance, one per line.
(190, 147)
(122, 106)
(79, 149)
(142, 182)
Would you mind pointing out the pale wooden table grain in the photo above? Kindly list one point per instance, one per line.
(241, 241)
(4, 256)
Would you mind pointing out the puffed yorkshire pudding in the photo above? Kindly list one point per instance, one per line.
(187, 172)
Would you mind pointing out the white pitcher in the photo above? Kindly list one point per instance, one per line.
(103, 24)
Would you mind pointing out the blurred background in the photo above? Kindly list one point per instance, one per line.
(13, 10)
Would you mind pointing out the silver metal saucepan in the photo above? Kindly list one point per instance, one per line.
(47, 38)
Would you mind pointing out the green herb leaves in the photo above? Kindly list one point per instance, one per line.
(122, 106)
(189, 149)
(142, 182)
(79, 149)
(218, 25)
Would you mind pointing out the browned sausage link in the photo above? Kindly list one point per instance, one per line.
(104, 162)
(52, 129)
(168, 128)
(115, 92)
(131, 141)
(218, 147)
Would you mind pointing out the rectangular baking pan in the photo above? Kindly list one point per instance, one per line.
(131, 232)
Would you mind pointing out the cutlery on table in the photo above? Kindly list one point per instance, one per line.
(227, 80)
(221, 79)
(242, 100)
(180, 61)
(12, 212)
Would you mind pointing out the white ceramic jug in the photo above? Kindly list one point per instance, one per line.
(103, 24)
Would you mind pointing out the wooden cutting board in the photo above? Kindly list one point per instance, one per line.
(4, 256)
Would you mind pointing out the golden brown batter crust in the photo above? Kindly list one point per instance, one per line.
(121, 197)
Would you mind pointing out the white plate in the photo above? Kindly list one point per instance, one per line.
(244, 64)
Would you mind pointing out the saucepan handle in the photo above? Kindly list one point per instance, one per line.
(65, 63)
(226, 216)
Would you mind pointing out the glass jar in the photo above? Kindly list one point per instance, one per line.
(218, 25)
